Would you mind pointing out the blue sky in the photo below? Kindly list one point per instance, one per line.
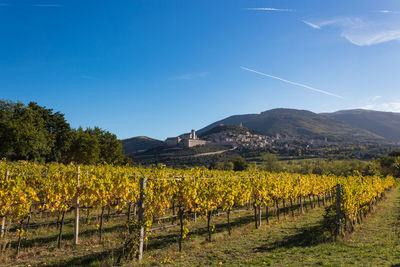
(161, 68)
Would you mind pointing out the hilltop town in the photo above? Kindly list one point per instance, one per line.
(242, 137)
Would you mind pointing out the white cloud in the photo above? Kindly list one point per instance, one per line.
(189, 76)
(270, 9)
(389, 106)
(374, 103)
(293, 83)
(360, 32)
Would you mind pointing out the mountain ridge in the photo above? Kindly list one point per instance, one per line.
(296, 122)
(385, 124)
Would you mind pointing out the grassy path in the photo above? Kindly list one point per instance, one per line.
(301, 241)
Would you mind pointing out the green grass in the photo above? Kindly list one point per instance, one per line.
(298, 241)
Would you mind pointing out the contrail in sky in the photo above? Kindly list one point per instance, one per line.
(294, 83)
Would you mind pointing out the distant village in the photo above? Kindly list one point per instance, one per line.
(244, 139)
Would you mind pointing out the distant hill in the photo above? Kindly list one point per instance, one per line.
(385, 124)
(301, 123)
(139, 143)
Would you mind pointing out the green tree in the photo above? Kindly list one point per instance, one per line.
(60, 133)
(239, 164)
(270, 162)
(33, 132)
(85, 148)
(23, 133)
(110, 147)
(228, 166)
(390, 164)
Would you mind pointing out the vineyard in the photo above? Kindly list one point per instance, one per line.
(149, 197)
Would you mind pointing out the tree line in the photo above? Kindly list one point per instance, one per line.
(35, 133)
(386, 165)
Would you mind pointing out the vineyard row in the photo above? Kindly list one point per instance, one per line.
(27, 187)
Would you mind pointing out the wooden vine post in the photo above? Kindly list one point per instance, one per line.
(259, 208)
(76, 219)
(301, 198)
(129, 213)
(143, 182)
(3, 219)
(61, 229)
(195, 213)
(101, 224)
(338, 215)
(229, 221)
(3, 226)
(277, 209)
(255, 216)
(180, 214)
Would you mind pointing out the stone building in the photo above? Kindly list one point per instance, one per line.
(192, 142)
(185, 140)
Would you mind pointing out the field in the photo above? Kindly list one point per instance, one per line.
(186, 217)
(297, 241)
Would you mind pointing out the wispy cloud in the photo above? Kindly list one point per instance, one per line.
(312, 25)
(360, 32)
(46, 5)
(270, 9)
(293, 83)
(376, 97)
(372, 38)
(342, 22)
(189, 76)
(387, 11)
